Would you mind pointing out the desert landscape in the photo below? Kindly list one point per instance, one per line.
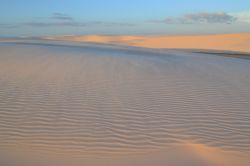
(121, 105)
(125, 83)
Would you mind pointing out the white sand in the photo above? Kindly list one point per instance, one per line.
(96, 104)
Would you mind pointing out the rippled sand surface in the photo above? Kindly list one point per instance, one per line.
(117, 105)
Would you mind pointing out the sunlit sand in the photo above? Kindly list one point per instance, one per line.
(69, 103)
(228, 42)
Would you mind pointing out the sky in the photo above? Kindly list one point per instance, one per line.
(122, 17)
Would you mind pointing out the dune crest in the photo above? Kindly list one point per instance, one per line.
(229, 42)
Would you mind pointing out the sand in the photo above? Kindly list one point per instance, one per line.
(65, 103)
(227, 42)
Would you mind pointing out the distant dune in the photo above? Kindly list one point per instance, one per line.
(230, 42)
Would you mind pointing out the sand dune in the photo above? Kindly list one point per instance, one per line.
(232, 42)
(114, 105)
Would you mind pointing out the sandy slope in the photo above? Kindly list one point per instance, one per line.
(233, 42)
(113, 105)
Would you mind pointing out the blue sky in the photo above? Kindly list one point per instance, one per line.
(68, 17)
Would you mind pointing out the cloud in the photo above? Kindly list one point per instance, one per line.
(243, 17)
(61, 16)
(8, 26)
(56, 19)
(63, 20)
(201, 18)
(51, 24)
(74, 24)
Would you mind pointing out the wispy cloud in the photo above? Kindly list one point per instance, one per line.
(63, 20)
(56, 19)
(74, 24)
(8, 26)
(61, 16)
(243, 17)
(200, 18)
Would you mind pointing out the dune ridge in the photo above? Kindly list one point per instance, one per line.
(227, 42)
